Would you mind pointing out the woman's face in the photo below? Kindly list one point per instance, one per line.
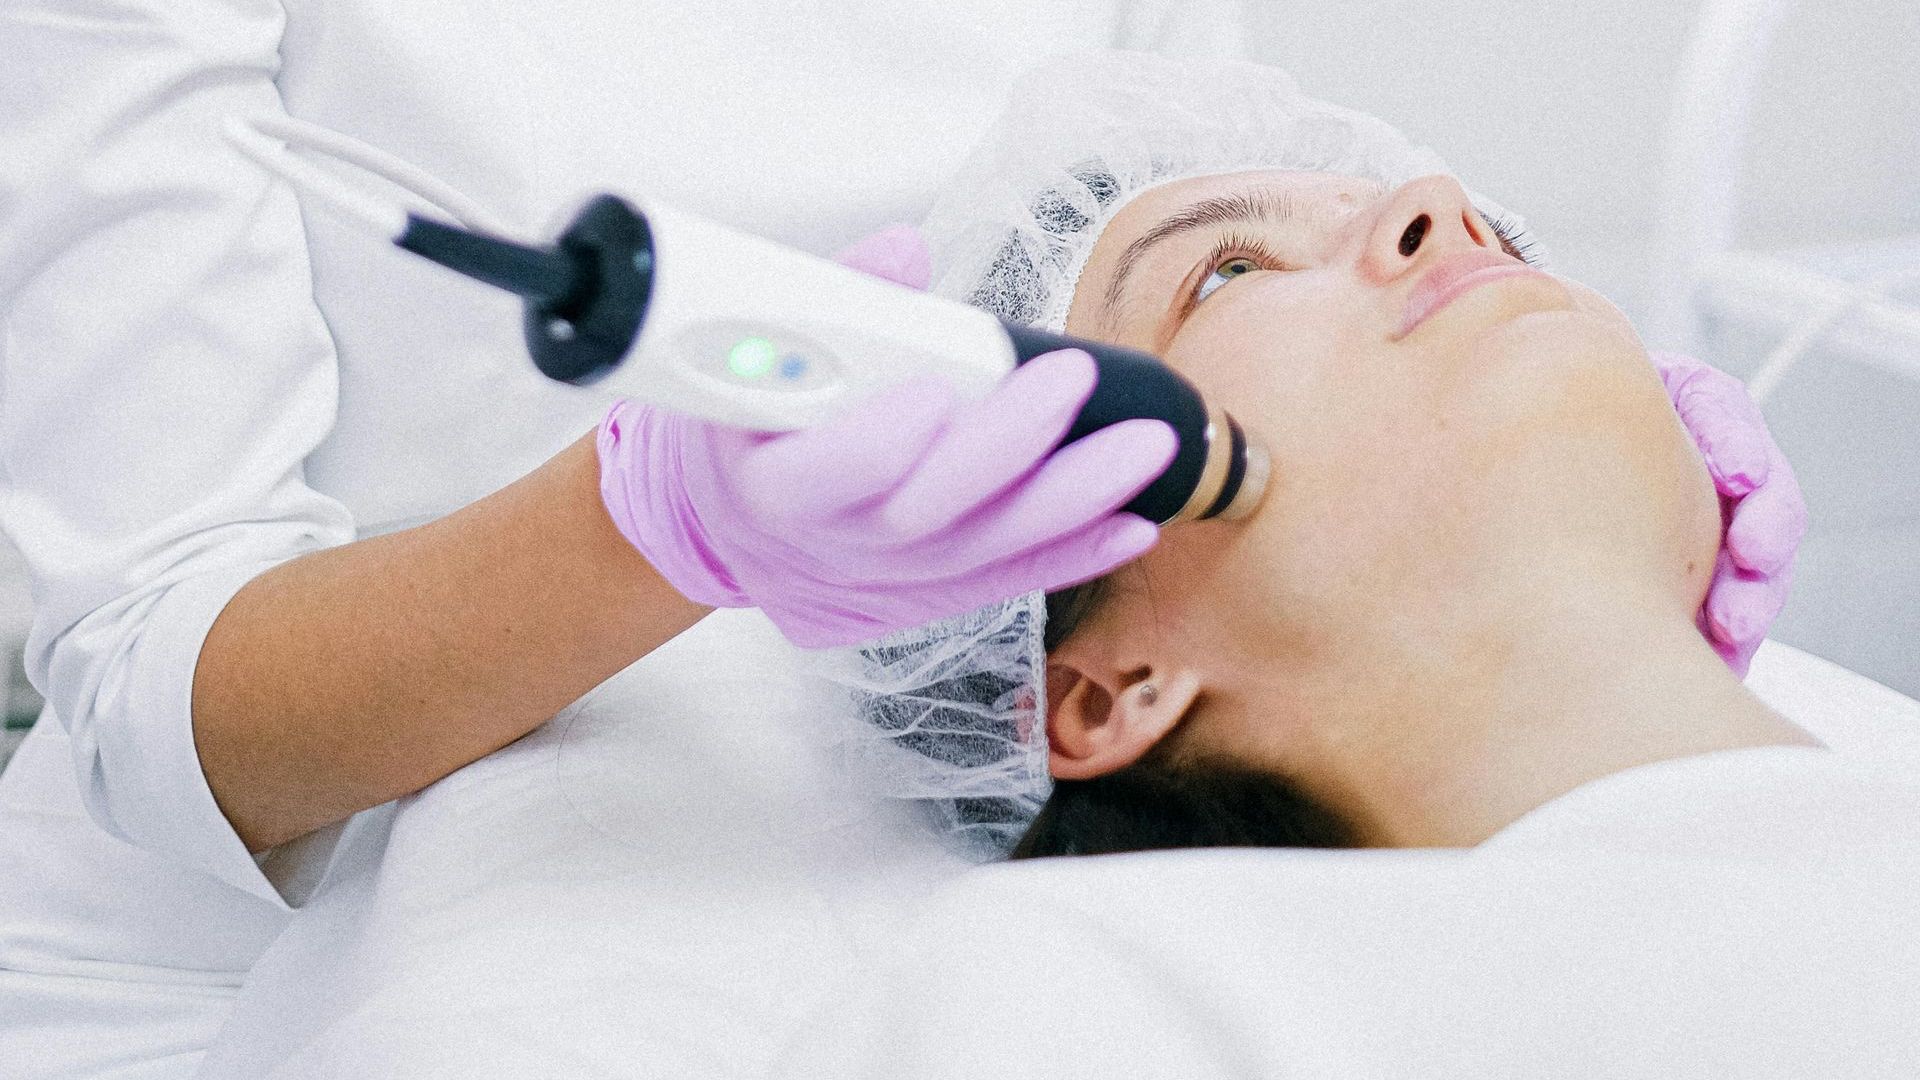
(1439, 452)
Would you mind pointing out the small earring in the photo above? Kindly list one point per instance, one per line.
(1148, 695)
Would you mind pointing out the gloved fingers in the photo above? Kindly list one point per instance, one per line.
(1080, 485)
(990, 444)
(1724, 421)
(1768, 525)
(1093, 551)
(1736, 657)
(1741, 605)
(806, 477)
(897, 253)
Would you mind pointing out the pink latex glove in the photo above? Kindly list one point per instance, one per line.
(906, 508)
(1761, 501)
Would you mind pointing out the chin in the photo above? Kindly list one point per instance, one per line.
(1563, 366)
(1569, 400)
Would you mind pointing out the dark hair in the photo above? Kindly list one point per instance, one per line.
(1168, 798)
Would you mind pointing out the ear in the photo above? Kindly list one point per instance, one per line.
(1098, 722)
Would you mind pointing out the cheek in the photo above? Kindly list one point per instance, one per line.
(1301, 364)
(1353, 430)
(1286, 356)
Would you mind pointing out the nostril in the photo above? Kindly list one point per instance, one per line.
(1416, 232)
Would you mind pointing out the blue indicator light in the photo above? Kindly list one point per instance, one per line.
(793, 366)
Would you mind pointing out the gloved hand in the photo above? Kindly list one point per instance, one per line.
(1765, 513)
(903, 509)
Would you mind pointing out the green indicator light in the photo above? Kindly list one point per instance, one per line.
(752, 357)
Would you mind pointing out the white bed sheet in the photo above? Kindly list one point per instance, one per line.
(660, 882)
(1224, 965)
(656, 885)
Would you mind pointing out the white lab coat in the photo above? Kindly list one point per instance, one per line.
(204, 378)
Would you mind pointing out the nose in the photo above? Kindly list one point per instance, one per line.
(1417, 222)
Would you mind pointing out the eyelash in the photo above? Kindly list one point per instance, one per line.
(1233, 246)
(1514, 240)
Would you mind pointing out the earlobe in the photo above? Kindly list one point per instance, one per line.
(1092, 730)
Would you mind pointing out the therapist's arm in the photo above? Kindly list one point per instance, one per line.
(354, 675)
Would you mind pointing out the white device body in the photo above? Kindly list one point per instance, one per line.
(744, 331)
(834, 335)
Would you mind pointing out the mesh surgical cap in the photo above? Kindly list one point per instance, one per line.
(951, 713)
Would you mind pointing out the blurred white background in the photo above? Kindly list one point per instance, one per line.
(1559, 111)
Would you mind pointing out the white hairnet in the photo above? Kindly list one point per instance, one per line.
(1084, 135)
(951, 713)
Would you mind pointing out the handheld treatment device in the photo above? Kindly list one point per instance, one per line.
(649, 302)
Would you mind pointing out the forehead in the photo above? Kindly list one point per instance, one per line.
(1309, 196)
(1312, 190)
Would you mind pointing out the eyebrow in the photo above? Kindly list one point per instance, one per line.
(1260, 206)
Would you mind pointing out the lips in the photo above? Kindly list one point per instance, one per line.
(1454, 276)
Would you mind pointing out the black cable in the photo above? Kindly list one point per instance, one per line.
(544, 276)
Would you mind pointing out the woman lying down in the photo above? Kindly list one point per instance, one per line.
(1392, 652)
(1474, 585)
(1465, 617)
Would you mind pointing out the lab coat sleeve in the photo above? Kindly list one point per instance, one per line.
(166, 371)
(1214, 29)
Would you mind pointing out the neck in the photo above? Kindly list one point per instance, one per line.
(1463, 749)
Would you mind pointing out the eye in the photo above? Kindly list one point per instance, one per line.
(1234, 255)
(1223, 273)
